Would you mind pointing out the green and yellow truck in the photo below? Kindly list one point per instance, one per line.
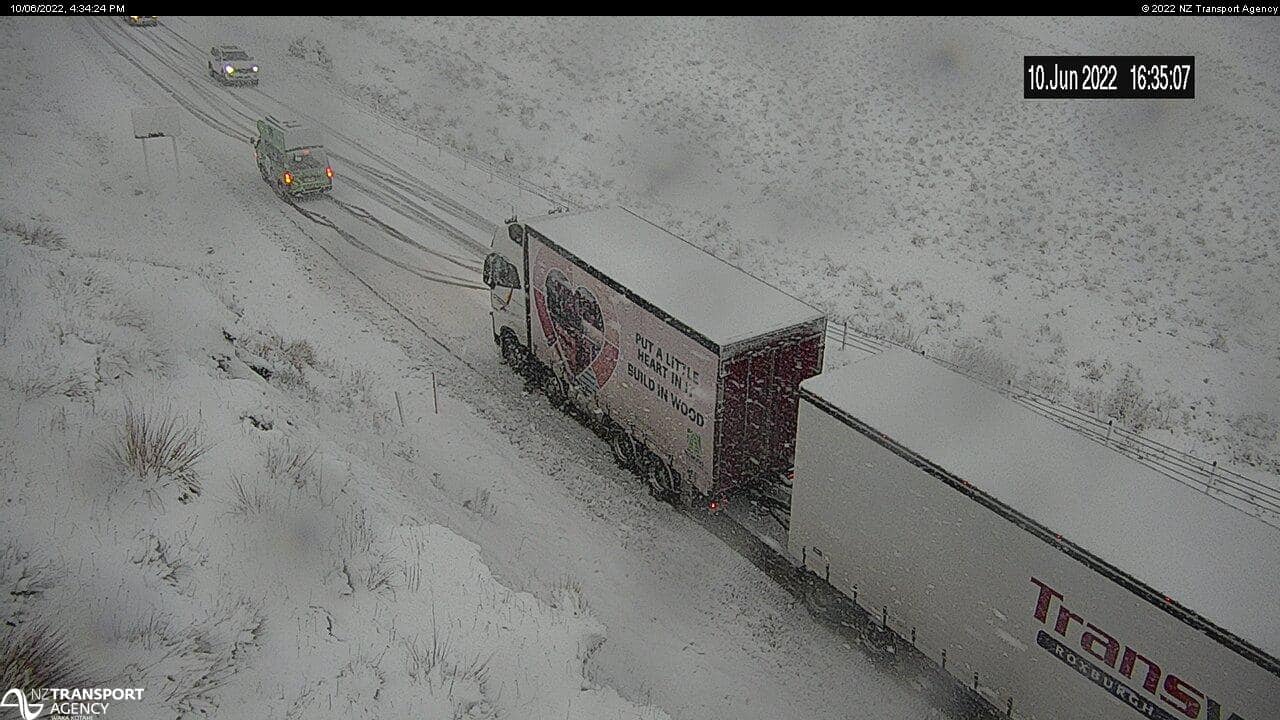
(292, 158)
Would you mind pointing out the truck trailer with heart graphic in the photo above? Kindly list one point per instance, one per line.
(690, 367)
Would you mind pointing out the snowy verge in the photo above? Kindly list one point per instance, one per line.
(181, 513)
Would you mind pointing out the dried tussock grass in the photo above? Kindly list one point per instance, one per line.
(37, 655)
(160, 445)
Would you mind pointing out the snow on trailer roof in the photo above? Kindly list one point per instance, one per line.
(1212, 559)
(724, 304)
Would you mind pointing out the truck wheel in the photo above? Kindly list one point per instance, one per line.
(662, 481)
(815, 597)
(512, 354)
(624, 448)
(557, 392)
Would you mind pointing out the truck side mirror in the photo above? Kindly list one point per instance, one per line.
(490, 269)
(509, 276)
(516, 232)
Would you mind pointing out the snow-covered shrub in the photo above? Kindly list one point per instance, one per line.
(982, 362)
(355, 533)
(832, 267)
(481, 503)
(295, 463)
(378, 573)
(898, 333)
(1258, 425)
(299, 354)
(1049, 384)
(566, 594)
(1133, 406)
(34, 375)
(159, 445)
(305, 48)
(446, 674)
(354, 388)
(1087, 399)
(298, 48)
(22, 582)
(37, 655)
(38, 235)
(1093, 370)
(248, 497)
(202, 657)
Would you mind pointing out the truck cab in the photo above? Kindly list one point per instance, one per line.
(504, 273)
(292, 158)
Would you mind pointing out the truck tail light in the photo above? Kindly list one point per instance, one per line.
(328, 171)
(288, 178)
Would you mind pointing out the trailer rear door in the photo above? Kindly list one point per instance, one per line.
(759, 398)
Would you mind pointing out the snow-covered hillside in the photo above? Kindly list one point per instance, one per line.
(1118, 255)
(258, 566)
(377, 520)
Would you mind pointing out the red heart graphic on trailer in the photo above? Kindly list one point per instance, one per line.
(575, 325)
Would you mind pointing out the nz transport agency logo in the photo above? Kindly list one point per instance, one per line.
(1118, 669)
(63, 702)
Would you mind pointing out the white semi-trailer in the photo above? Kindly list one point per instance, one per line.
(1061, 580)
(690, 366)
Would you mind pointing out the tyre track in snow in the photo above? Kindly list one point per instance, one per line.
(205, 117)
(405, 203)
(399, 176)
(321, 219)
(314, 217)
(233, 129)
(734, 535)
(370, 218)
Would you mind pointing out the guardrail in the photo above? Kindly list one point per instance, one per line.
(1219, 483)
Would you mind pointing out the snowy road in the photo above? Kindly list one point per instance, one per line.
(693, 626)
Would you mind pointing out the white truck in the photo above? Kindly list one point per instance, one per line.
(1061, 580)
(689, 366)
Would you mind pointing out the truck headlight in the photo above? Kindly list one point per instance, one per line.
(230, 70)
(255, 68)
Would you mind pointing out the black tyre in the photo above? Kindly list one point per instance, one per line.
(624, 448)
(557, 392)
(512, 353)
(816, 597)
(664, 484)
